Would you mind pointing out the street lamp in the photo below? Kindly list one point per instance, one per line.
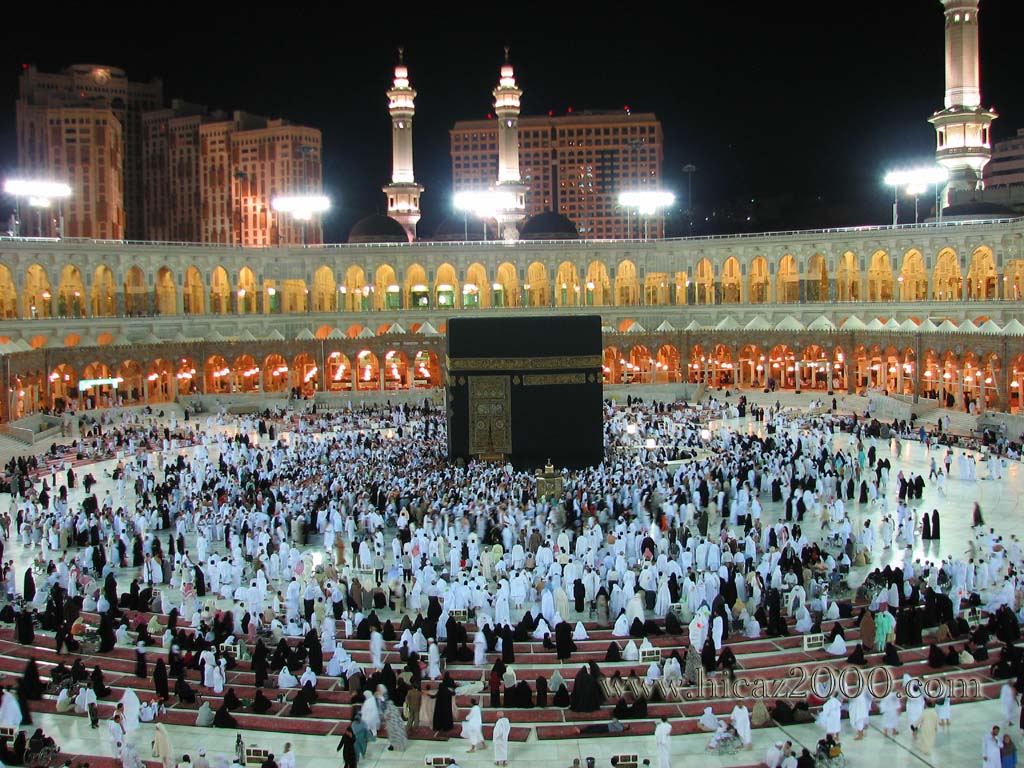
(646, 202)
(916, 181)
(301, 207)
(39, 195)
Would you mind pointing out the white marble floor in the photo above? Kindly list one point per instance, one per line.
(959, 745)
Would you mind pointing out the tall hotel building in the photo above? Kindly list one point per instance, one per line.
(212, 177)
(576, 164)
(83, 126)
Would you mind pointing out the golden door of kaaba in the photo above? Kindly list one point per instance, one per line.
(490, 416)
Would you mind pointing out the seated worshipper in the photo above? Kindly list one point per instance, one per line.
(803, 620)
(223, 719)
(936, 656)
(708, 722)
(64, 701)
(286, 679)
(631, 652)
(184, 691)
(892, 656)
(205, 716)
(727, 662)
(149, 711)
(579, 632)
(260, 703)
(624, 710)
(613, 654)
(621, 628)
(303, 701)
(231, 700)
(673, 669)
(857, 657)
(837, 647)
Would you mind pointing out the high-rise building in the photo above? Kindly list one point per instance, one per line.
(962, 126)
(244, 163)
(79, 145)
(94, 87)
(1006, 168)
(170, 165)
(575, 164)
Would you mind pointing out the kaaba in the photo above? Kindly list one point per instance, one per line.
(525, 390)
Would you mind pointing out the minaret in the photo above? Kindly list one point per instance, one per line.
(506, 106)
(403, 192)
(962, 127)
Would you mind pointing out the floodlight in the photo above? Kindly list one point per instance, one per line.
(36, 189)
(646, 202)
(301, 207)
(918, 177)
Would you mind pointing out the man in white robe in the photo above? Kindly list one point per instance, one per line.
(502, 728)
(663, 743)
(473, 728)
(831, 715)
(990, 746)
(741, 722)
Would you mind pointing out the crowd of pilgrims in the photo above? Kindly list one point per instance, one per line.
(628, 540)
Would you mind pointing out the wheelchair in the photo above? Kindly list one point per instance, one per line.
(830, 758)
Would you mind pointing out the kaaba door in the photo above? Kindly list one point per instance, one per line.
(490, 416)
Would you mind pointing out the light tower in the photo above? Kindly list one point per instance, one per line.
(403, 192)
(506, 106)
(962, 127)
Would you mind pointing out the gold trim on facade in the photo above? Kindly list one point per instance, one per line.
(543, 379)
(522, 363)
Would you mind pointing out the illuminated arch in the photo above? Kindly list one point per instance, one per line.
(538, 287)
(506, 286)
(130, 387)
(245, 374)
(136, 293)
(165, 293)
(913, 279)
(627, 285)
(657, 289)
(704, 283)
(758, 283)
(787, 282)
(567, 285)
(668, 364)
(446, 287)
(245, 292)
(187, 376)
(220, 292)
(339, 372)
(325, 290)
(159, 382)
(981, 275)
(193, 295)
(216, 375)
(102, 301)
(63, 387)
(71, 293)
(732, 281)
(947, 278)
(37, 297)
(417, 292)
(476, 291)
(276, 373)
(817, 279)
(880, 279)
(396, 370)
(848, 278)
(387, 293)
(367, 371)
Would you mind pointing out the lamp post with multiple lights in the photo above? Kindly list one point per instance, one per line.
(301, 208)
(40, 196)
(916, 181)
(646, 203)
(484, 204)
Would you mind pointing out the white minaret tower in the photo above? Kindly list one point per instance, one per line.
(962, 127)
(506, 106)
(403, 192)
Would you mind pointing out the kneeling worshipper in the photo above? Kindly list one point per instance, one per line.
(223, 719)
(302, 704)
(260, 703)
(708, 722)
(837, 647)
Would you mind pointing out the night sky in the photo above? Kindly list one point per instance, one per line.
(798, 108)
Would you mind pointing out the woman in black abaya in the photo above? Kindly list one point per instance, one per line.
(585, 696)
(563, 641)
(935, 524)
(160, 684)
(443, 721)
